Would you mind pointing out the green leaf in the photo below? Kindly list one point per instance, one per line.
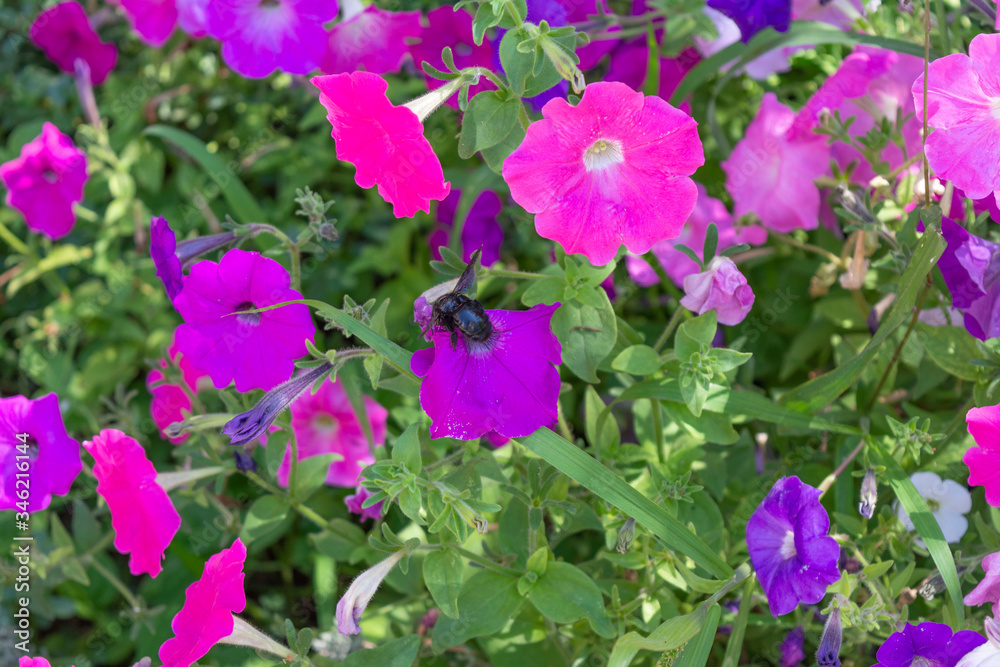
(926, 525)
(311, 474)
(709, 426)
(565, 594)
(406, 450)
(876, 570)
(609, 435)
(495, 155)
(397, 653)
(486, 603)
(590, 473)
(266, 521)
(242, 203)
(951, 348)
(587, 334)
(60, 256)
(520, 67)
(443, 577)
(671, 634)
(274, 453)
(735, 645)
(637, 360)
(347, 544)
(487, 121)
(86, 530)
(548, 290)
(818, 393)
(698, 650)
(695, 333)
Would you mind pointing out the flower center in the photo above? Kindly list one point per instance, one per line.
(995, 108)
(788, 546)
(933, 505)
(324, 422)
(921, 661)
(602, 154)
(50, 176)
(269, 4)
(252, 319)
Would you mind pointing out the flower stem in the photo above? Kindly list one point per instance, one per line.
(293, 474)
(832, 477)
(823, 252)
(296, 253)
(671, 325)
(302, 509)
(17, 244)
(927, 62)
(899, 348)
(475, 558)
(116, 582)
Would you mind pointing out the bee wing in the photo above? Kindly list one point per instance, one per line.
(467, 281)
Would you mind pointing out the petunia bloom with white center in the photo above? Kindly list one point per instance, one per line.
(948, 501)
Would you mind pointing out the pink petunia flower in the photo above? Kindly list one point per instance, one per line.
(257, 350)
(170, 402)
(987, 590)
(963, 108)
(772, 174)
(154, 20)
(678, 265)
(209, 605)
(449, 28)
(45, 181)
(480, 228)
(384, 142)
(325, 423)
(720, 287)
(984, 460)
(356, 501)
(612, 170)
(508, 384)
(44, 452)
(260, 37)
(25, 661)
(142, 514)
(64, 33)
(370, 39)
(871, 84)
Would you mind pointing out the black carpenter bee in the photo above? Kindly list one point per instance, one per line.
(459, 313)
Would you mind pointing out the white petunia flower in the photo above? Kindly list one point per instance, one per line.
(987, 655)
(948, 501)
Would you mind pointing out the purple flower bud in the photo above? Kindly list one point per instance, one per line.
(792, 653)
(360, 593)
(869, 495)
(254, 423)
(828, 654)
(720, 287)
(189, 250)
(244, 462)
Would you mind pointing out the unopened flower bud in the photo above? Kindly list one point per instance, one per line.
(244, 462)
(563, 62)
(254, 423)
(245, 634)
(869, 495)
(425, 105)
(328, 232)
(828, 654)
(625, 536)
(360, 593)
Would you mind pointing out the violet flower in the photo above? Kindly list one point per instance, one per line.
(828, 653)
(752, 16)
(927, 644)
(720, 287)
(479, 230)
(789, 547)
(971, 266)
(792, 648)
(171, 257)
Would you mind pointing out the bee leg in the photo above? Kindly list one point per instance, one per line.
(454, 339)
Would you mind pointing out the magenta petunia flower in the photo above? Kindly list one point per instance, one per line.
(480, 229)
(449, 28)
(508, 384)
(984, 459)
(34, 442)
(789, 547)
(971, 268)
(193, 17)
(963, 109)
(678, 265)
(355, 501)
(142, 514)
(45, 181)
(170, 402)
(987, 590)
(325, 423)
(720, 287)
(256, 350)
(209, 605)
(871, 84)
(154, 20)
(260, 37)
(629, 62)
(163, 249)
(370, 39)
(64, 33)
(385, 142)
(612, 170)
(771, 173)
(927, 644)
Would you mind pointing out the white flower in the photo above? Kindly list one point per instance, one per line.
(948, 501)
(987, 655)
(360, 593)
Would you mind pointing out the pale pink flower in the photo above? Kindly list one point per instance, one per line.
(720, 287)
(987, 590)
(614, 169)
(371, 39)
(772, 175)
(963, 108)
(142, 514)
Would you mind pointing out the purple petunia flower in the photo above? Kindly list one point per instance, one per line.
(971, 266)
(154, 20)
(355, 501)
(44, 452)
(64, 33)
(45, 180)
(752, 16)
(792, 649)
(447, 27)
(369, 38)
(720, 287)
(171, 257)
(787, 539)
(257, 350)
(259, 37)
(508, 384)
(927, 644)
(480, 229)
